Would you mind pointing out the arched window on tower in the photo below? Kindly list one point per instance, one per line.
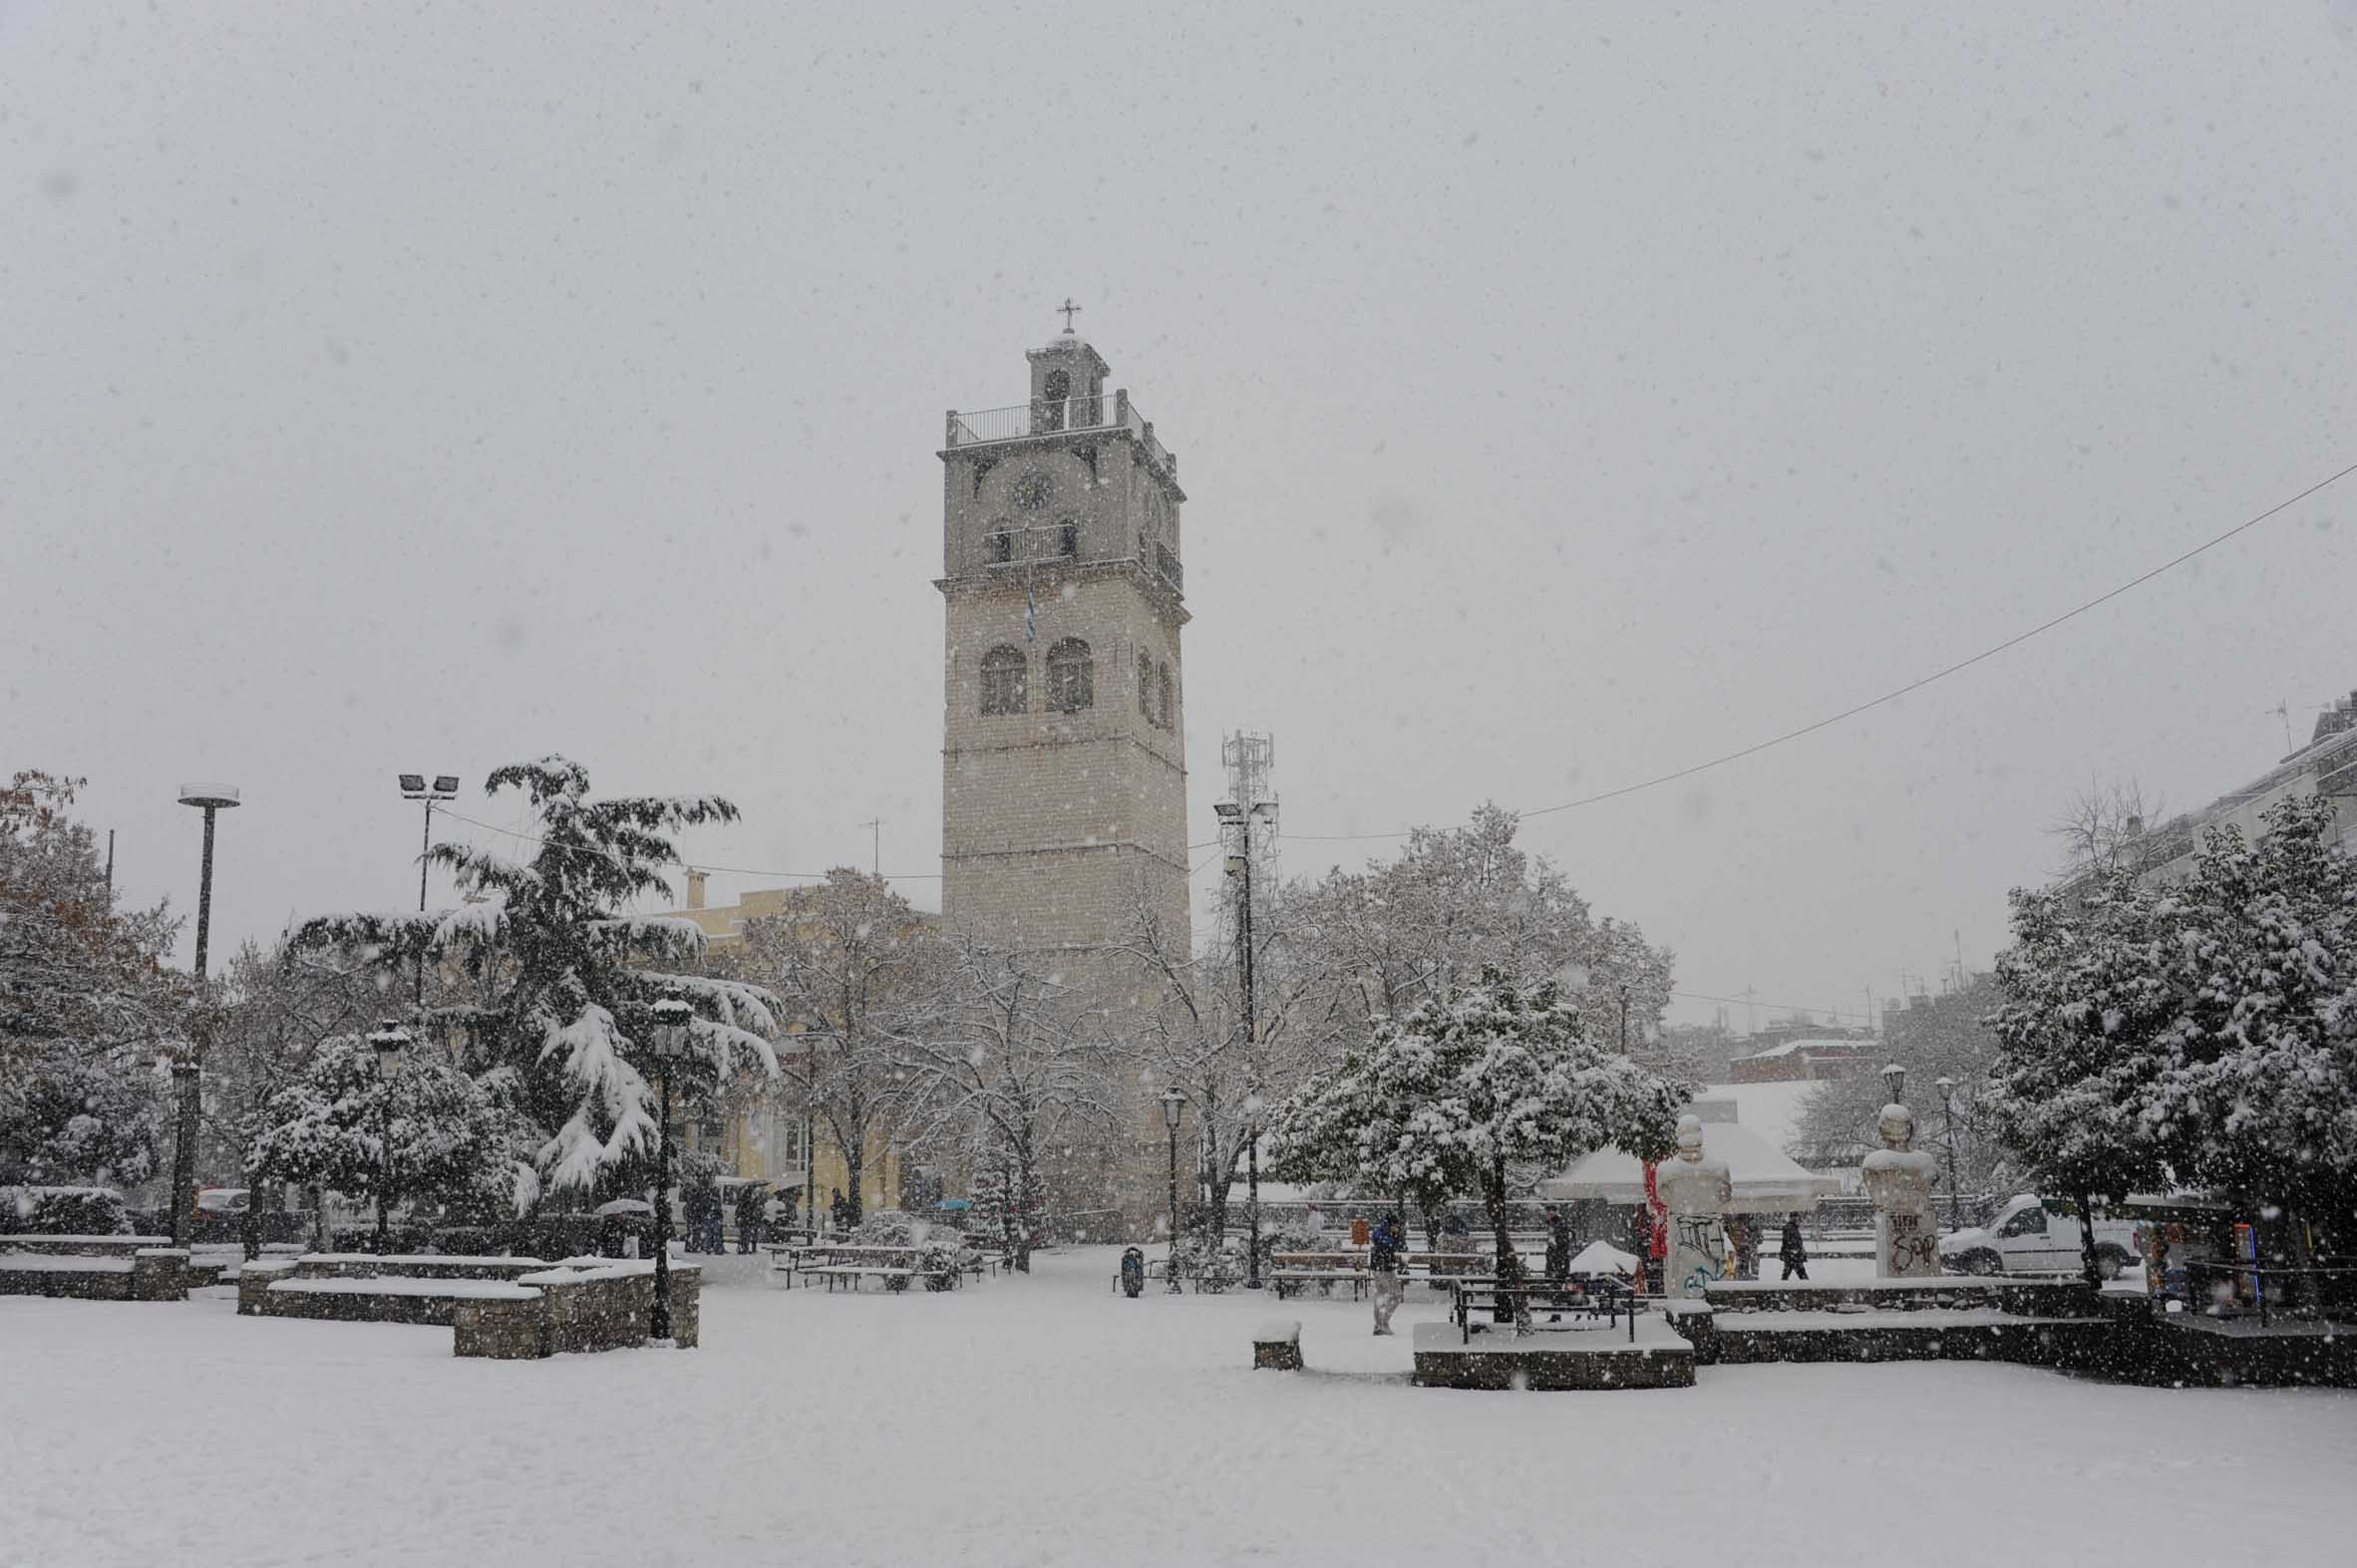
(1072, 676)
(1170, 708)
(1054, 392)
(1068, 538)
(1145, 686)
(1006, 679)
(998, 545)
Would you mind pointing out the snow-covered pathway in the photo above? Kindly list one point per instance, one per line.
(1047, 1421)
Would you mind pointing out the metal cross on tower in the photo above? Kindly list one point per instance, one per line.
(1070, 310)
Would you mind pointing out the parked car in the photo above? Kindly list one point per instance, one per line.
(2033, 1235)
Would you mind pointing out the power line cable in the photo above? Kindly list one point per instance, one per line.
(1896, 692)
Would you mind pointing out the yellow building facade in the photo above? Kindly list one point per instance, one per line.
(775, 1141)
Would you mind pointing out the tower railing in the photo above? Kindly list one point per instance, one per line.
(1053, 416)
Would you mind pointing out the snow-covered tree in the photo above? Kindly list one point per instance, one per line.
(1460, 900)
(857, 970)
(2087, 1003)
(85, 1006)
(2257, 1091)
(275, 1006)
(1193, 1038)
(1474, 1094)
(453, 1138)
(1016, 1061)
(563, 978)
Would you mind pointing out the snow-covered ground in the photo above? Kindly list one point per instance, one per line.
(1048, 1421)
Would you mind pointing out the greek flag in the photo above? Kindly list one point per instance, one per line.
(1030, 613)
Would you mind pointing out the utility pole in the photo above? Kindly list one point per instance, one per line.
(110, 866)
(874, 826)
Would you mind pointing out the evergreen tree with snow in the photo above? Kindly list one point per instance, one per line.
(453, 1138)
(560, 979)
(2257, 1091)
(1476, 1093)
(2087, 1003)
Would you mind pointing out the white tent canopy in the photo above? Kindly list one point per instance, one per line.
(1766, 1183)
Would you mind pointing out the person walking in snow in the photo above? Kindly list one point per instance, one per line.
(839, 1211)
(1387, 1283)
(1792, 1249)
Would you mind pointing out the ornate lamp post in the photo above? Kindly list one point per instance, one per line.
(387, 1041)
(1947, 1107)
(1172, 1103)
(186, 1071)
(671, 1046)
(1894, 1081)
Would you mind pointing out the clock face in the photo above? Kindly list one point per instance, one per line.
(1033, 490)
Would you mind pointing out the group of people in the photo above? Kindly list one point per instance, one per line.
(704, 1207)
(1387, 1244)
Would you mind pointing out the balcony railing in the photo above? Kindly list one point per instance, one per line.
(1051, 416)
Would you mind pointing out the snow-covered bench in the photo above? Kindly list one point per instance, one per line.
(853, 1274)
(531, 1309)
(1284, 1280)
(120, 1272)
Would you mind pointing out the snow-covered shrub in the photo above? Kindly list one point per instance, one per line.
(64, 1211)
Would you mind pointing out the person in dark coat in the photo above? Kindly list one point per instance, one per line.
(1792, 1249)
(752, 1201)
(839, 1211)
(1558, 1244)
(1386, 1266)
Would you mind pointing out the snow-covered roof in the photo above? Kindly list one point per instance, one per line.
(1810, 1046)
(1773, 1110)
(1766, 1183)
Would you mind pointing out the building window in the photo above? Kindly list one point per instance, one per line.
(1087, 455)
(1068, 538)
(1072, 676)
(998, 545)
(1006, 679)
(1170, 709)
(1145, 686)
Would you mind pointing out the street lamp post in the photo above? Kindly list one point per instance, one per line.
(387, 1041)
(1172, 1103)
(188, 1071)
(1948, 1105)
(671, 1042)
(1894, 1081)
(415, 787)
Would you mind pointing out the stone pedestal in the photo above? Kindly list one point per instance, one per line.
(1899, 1180)
(1697, 1190)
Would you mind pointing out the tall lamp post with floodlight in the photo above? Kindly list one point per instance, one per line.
(671, 1049)
(413, 788)
(387, 1041)
(1239, 867)
(1172, 1103)
(186, 1070)
(1948, 1105)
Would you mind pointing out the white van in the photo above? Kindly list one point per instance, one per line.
(2031, 1235)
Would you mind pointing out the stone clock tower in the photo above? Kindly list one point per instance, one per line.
(1063, 768)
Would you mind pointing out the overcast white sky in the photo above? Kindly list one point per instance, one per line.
(1565, 393)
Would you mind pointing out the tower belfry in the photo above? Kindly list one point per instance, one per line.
(1063, 764)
